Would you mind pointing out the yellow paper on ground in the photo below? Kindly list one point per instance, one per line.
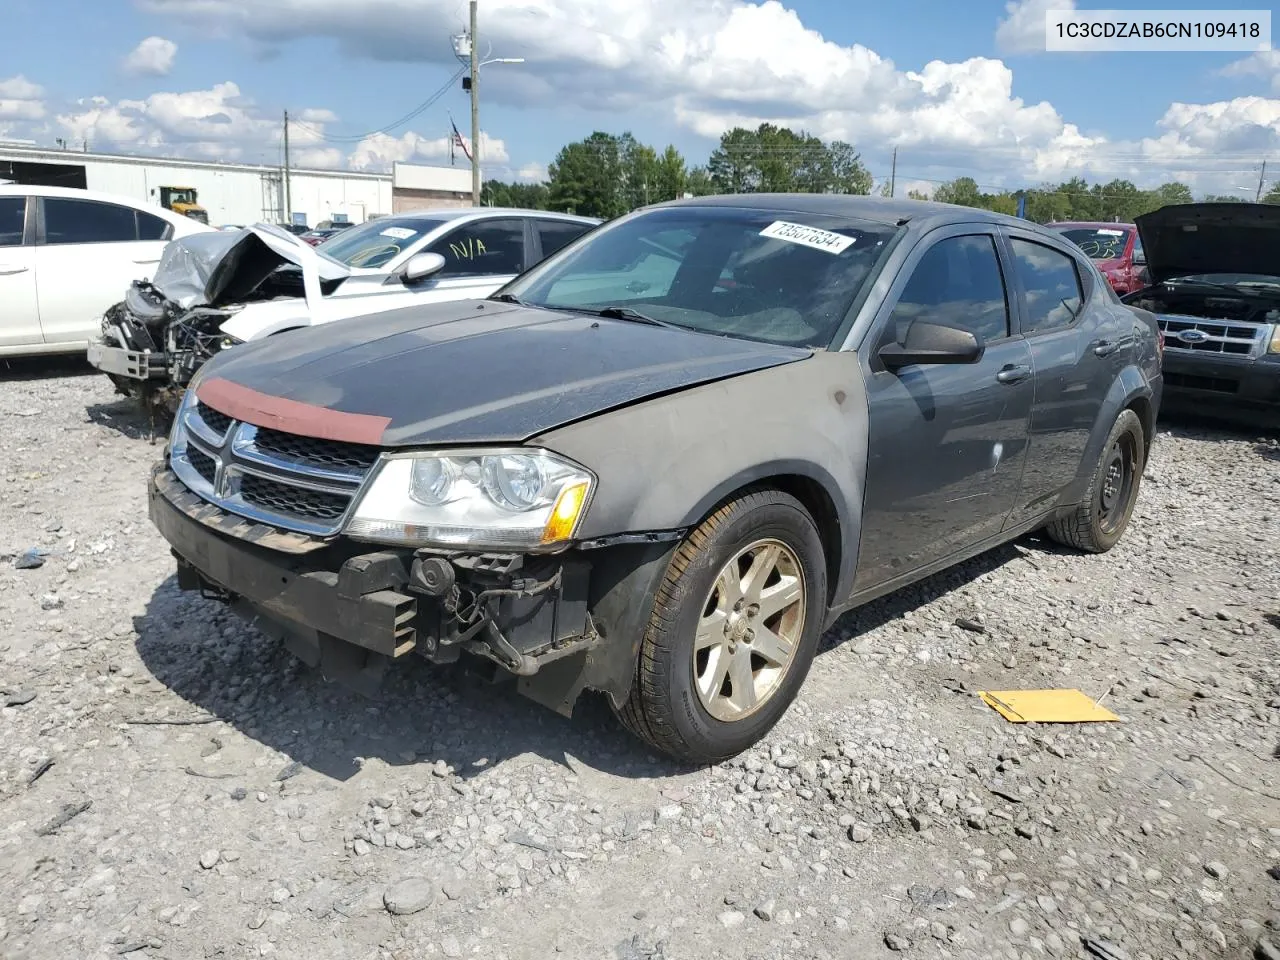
(1045, 706)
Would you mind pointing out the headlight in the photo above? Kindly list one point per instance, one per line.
(1274, 345)
(519, 499)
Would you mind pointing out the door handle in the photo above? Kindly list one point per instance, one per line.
(8, 271)
(1105, 348)
(1013, 374)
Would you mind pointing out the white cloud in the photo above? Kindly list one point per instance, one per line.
(532, 173)
(1265, 65)
(20, 99)
(381, 150)
(1022, 29)
(152, 57)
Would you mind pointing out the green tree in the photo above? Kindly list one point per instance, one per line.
(1229, 198)
(1173, 192)
(962, 191)
(671, 176)
(586, 177)
(848, 173)
(699, 182)
(527, 196)
(917, 195)
(639, 169)
(1272, 195)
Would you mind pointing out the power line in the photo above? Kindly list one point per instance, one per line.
(421, 108)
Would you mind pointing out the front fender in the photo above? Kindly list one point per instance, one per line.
(259, 320)
(663, 464)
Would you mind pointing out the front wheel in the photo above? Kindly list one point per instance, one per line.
(732, 631)
(1097, 524)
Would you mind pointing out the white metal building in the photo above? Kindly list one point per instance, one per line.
(235, 193)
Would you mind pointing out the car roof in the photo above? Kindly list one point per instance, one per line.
(476, 213)
(1091, 224)
(887, 210)
(74, 193)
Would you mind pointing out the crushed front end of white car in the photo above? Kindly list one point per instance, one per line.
(165, 329)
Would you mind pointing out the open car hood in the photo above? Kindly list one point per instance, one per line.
(223, 267)
(1195, 238)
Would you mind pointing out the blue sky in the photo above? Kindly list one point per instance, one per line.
(958, 88)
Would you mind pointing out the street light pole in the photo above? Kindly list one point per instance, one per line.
(475, 111)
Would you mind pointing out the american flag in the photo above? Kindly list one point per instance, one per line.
(458, 141)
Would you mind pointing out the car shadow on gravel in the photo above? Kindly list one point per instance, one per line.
(422, 715)
(127, 417)
(13, 369)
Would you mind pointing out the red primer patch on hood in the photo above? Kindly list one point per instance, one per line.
(291, 416)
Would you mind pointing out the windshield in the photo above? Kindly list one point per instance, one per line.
(377, 242)
(784, 278)
(1098, 243)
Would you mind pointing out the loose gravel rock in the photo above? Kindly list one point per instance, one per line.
(213, 797)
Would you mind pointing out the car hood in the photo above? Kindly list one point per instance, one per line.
(221, 267)
(465, 372)
(1196, 238)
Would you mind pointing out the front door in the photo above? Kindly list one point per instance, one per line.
(19, 313)
(947, 443)
(87, 256)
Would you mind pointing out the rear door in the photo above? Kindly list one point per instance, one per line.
(87, 254)
(552, 235)
(19, 311)
(1078, 347)
(947, 443)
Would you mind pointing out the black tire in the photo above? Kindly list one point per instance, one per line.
(664, 708)
(1099, 521)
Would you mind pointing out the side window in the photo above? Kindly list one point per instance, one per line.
(958, 283)
(87, 221)
(152, 227)
(13, 213)
(486, 248)
(557, 234)
(1051, 284)
(1138, 256)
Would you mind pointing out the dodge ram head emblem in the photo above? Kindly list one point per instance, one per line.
(1192, 336)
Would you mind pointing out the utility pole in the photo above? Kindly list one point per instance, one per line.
(288, 191)
(475, 111)
(893, 172)
(1261, 180)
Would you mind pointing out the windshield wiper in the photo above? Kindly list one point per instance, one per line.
(635, 316)
(1210, 284)
(508, 298)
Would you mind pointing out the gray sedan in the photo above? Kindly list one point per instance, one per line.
(661, 463)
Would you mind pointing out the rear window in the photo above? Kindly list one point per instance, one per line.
(377, 242)
(1098, 243)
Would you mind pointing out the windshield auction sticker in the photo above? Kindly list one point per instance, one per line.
(1159, 30)
(833, 243)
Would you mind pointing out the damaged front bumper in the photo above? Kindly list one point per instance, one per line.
(133, 364)
(350, 610)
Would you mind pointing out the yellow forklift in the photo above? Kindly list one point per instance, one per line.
(183, 200)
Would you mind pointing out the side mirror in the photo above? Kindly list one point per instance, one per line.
(421, 266)
(929, 343)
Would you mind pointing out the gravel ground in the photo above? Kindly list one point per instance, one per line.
(172, 786)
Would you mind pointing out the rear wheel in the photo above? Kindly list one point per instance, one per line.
(1100, 520)
(732, 631)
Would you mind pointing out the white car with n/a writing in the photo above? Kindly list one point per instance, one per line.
(215, 291)
(65, 255)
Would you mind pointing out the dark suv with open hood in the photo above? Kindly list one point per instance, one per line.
(1215, 290)
(661, 463)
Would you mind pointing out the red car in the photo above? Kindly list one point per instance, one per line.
(1114, 247)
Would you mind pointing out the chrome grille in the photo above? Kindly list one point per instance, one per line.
(283, 480)
(1199, 334)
